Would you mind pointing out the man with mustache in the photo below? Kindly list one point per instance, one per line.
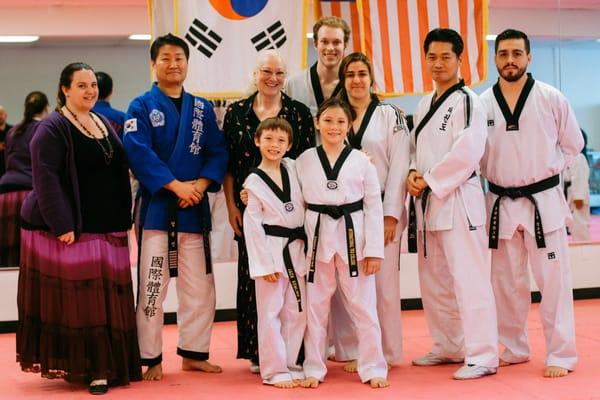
(532, 136)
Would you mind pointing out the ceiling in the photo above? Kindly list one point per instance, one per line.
(530, 4)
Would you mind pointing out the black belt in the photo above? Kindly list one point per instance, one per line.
(172, 237)
(336, 212)
(412, 220)
(514, 193)
(567, 185)
(291, 234)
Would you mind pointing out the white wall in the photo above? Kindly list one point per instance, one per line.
(586, 274)
(24, 68)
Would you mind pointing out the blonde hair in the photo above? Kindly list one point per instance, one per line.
(332, 22)
(260, 61)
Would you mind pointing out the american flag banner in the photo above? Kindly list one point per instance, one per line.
(225, 37)
(391, 34)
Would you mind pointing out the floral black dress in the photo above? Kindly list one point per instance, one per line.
(239, 127)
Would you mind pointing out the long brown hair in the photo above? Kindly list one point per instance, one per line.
(349, 59)
(35, 103)
(66, 78)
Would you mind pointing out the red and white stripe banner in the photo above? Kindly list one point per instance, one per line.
(391, 34)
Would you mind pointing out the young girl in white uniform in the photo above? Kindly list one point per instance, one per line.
(275, 239)
(344, 225)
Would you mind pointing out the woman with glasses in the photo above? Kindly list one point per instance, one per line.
(243, 117)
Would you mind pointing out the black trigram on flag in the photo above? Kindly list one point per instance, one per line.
(203, 38)
(271, 38)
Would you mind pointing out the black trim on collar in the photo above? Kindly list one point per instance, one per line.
(316, 85)
(284, 193)
(435, 105)
(330, 173)
(355, 139)
(512, 119)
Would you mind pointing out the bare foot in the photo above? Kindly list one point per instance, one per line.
(310, 382)
(285, 385)
(351, 367)
(331, 357)
(153, 373)
(377, 383)
(187, 364)
(504, 363)
(552, 371)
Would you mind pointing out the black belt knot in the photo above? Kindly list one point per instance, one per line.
(412, 220)
(336, 212)
(514, 193)
(172, 233)
(291, 234)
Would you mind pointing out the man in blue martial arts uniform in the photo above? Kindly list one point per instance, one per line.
(177, 152)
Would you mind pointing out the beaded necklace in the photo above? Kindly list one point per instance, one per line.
(108, 152)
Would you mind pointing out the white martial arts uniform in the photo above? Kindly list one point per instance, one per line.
(305, 87)
(455, 275)
(299, 87)
(281, 325)
(578, 176)
(384, 136)
(357, 180)
(542, 138)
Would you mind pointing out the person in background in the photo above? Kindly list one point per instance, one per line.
(4, 128)
(577, 188)
(103, 107)
(17, 181)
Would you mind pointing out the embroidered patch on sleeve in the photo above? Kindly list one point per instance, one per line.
(130, 125)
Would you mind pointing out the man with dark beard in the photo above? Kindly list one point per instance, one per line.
(532, 136)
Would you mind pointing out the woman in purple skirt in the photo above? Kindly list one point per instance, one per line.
(75, 297)
(16, 181)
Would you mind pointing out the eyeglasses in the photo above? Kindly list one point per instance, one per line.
(268, 73)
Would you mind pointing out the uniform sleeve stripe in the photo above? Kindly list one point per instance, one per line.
(468, 108)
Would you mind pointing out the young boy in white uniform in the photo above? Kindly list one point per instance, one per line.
(454, 271)
(532, 136)
(276, 242)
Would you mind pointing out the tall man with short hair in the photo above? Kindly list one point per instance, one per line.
(532, 136)
(454, 271)
(178, 153)
(321, 81)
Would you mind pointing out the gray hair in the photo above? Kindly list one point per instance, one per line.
(262, 58)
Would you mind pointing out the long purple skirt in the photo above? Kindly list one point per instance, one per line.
(10, 225)
(76, 308)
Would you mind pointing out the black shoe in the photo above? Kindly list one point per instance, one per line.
(98, 389)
